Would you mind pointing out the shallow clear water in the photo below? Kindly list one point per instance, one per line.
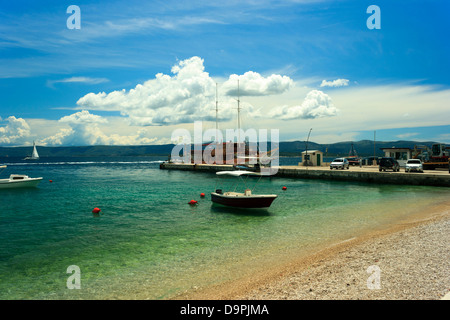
(147, 242)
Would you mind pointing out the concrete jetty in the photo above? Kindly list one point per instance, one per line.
(368, 174)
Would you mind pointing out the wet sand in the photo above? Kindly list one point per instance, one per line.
(408, 261)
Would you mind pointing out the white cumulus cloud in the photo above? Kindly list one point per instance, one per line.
(316, 105)
(16, 131)
(253, 84)
(82, 118)
(183, 97)
(186, 96)
(84, 129)
(335, 83)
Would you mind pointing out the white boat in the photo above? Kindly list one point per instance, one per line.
(242, 200)
(34, 155)
(18, 181)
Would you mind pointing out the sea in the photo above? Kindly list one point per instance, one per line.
(147, 242)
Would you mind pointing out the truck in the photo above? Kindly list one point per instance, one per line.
(436, 157)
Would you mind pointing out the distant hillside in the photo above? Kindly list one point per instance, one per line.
(362, 148)
(291, 148)
(88, 151)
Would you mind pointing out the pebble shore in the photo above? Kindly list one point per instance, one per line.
(408, 261)
(410, 264)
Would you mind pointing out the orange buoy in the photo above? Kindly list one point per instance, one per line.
(202, 195)
(284, 188)
(50, 181)
(96, 210)
(192, 202)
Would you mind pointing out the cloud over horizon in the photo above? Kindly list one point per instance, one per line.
(154, 108)
(16, 131)
(253, 84)
(84, 130)
(316, 105)
(186, 96)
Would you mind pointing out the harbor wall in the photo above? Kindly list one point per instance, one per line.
(441, 179)
(424, 179)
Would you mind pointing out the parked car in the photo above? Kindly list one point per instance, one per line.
(388, 164)
(414, 165)
(339, 163)
(354, 161)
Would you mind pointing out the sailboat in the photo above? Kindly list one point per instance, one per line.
(34, 155)
(240, 154)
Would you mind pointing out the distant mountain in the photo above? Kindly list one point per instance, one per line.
(288, 148)
(362, 148)
(89, 151)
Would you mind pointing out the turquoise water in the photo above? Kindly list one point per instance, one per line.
(147, 242)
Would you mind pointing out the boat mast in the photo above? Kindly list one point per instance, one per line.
(239, 118)
(217, 123)
(352, 152)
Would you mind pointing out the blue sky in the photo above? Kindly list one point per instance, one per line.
(138, 70)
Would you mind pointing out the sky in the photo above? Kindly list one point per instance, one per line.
(133, 72)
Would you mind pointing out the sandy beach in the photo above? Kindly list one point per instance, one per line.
(409, 261)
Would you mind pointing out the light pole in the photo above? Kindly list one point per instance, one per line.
(374, 152)
(306, 153)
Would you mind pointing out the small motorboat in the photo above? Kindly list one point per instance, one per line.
(247, 199)
(18, 181)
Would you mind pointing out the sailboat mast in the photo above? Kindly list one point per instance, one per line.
(239, 118)
(217, 123)
(352, 152)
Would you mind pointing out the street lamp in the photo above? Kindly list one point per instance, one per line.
(306, 153)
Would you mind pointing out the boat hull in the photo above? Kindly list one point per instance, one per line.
(253, 201)
(23, 183)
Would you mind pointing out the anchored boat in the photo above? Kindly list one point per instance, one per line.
(18, 181)
(247, 199)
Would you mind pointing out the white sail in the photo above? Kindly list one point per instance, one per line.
(35, 154)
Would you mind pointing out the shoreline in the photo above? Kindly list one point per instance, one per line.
(412, 257)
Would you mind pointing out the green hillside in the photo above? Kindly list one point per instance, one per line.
(290, 148)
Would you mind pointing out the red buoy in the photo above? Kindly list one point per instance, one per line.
(96, 210)
(284, 188)
(192, 202)
(50, 181)
(202, 195)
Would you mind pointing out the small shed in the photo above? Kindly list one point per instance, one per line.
(312, 158)
(399, 154)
